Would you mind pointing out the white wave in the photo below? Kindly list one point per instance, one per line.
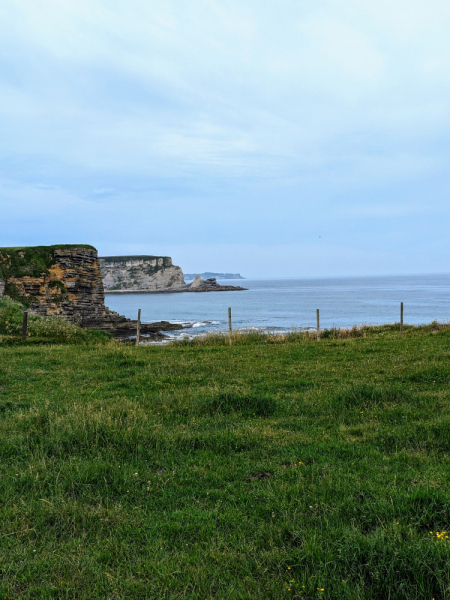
(204, 323)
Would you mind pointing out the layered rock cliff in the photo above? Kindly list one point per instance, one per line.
(55, 281)
(135, 273)
(65, 281)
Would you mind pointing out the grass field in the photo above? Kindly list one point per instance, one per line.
(277, 468)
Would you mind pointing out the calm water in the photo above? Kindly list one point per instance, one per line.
(284, 304)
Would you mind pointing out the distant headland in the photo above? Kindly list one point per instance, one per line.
(209, 274)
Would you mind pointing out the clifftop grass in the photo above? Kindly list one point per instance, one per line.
(113, 259)
(31, 261)
(271, 469)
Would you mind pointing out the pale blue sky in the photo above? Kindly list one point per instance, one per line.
(285, 138)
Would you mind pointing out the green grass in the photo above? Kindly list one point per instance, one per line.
(41, 330)
(114, 259)
(277, 468)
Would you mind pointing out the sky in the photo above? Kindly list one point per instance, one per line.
(274, 139)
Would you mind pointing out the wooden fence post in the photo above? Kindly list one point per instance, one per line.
(25, 326)
(318, 324)
(401, 318)
(138, 327)
(230, 330)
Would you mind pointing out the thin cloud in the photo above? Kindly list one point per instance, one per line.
(248, 118)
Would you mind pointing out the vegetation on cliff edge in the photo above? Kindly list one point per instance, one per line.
(30, 261)
(114, 259)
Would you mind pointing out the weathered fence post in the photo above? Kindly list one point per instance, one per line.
(138, 327)
(25, 326)
(230, 330)
(401, 318)
(318, 325)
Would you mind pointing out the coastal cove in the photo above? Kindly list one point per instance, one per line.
(283, 304)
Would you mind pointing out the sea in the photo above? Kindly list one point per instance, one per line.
(278, 305)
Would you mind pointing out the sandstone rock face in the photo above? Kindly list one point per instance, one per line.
(60, 281)
(197, 283)
(141, 273)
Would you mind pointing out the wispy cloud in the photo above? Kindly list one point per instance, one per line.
(244, 118)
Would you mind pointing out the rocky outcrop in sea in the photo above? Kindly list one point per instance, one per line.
(210, 285)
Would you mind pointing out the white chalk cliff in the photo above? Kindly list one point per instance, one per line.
(134, 273)
(151, 274)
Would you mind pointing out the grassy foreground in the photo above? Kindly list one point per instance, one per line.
(272, 469)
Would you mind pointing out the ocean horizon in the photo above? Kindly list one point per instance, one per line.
(290, 303)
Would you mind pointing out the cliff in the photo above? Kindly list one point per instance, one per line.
(151, 274)
(65, 281)
(55, 281)
(135, 273)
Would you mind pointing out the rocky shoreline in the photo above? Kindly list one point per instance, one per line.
(123, 329)
(66, 281)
